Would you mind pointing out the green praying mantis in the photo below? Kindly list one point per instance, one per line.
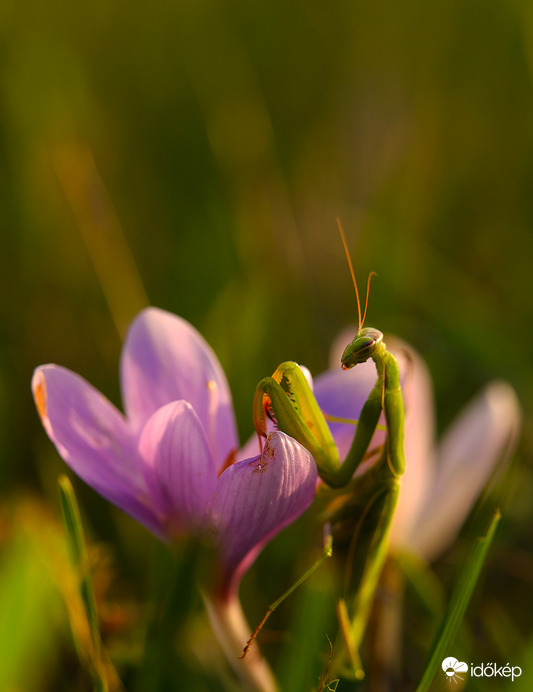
(359, 509)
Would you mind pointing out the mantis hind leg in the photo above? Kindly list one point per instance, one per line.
(365, 558)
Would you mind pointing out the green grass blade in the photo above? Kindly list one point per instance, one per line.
(80, 562)
(458, 604)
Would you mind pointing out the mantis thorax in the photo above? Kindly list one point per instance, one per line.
(365, 345)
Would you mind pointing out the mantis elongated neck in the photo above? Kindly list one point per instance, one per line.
(393, 407)
(386, 366)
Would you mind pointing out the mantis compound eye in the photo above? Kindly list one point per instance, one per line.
(361, 348)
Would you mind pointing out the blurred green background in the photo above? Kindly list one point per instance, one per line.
(198, 153)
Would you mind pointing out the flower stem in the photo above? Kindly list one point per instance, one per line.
(232, 631)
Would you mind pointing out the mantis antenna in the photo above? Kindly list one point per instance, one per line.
(339, 224)
(345, 245)
(367, 293)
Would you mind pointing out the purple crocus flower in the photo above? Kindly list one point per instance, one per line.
(169, 462)
(442, 480)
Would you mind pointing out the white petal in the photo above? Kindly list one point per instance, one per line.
(484, 434)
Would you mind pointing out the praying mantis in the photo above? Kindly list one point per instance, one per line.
(359, 509)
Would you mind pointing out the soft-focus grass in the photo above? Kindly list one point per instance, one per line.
(225, 138)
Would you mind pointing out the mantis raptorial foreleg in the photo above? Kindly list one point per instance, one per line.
(287, 398)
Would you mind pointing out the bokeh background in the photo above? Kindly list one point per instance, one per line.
(194, 155)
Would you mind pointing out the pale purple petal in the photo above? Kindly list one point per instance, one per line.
(254, 499)
(419, 439)
(94, 439)
(165, 359)
(483, 435)
(180, 471)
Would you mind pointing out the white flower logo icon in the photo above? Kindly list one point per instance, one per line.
(452, 667)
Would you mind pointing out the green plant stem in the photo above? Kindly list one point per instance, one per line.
(232, 631)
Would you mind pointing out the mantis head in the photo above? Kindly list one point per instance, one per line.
(361, 348)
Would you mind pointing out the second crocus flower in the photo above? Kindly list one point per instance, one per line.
(442, 480)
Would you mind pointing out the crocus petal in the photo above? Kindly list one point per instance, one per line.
(254, 499)
(93, 438)
(418, 442)
(180, 471)
(483, 435)
(165, 359)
